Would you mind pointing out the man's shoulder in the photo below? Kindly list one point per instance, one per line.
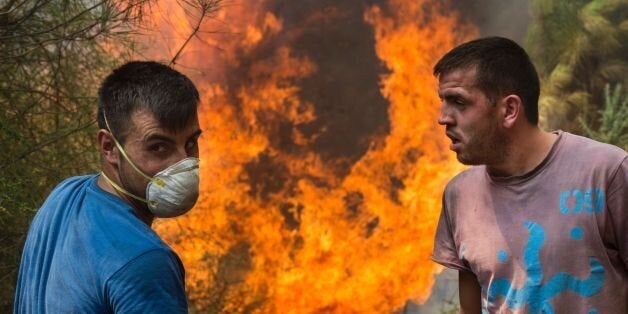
(98, 222)
(72, 184)
(121, 236)
(587, 154)
(62, 200)
(466, 177)
(583, 145)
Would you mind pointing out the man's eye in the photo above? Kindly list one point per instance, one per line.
(191, 144)
(158, 148)
(455, 101)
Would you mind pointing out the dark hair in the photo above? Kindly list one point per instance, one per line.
(503, 68)
(146, 86)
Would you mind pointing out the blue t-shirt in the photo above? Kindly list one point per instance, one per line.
(87, 252)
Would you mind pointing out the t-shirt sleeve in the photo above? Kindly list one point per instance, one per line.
(151, 283)
(445, 249)
(617, 204)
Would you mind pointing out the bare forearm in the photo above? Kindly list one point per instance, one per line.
(470, 293)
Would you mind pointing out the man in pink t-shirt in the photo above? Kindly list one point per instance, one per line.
(539, 223)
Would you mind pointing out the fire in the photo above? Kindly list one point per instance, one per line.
(285, 223)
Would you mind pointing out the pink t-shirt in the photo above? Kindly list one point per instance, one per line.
(554, 240)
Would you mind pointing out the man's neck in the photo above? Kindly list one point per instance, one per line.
(142, 214)
(527, 150)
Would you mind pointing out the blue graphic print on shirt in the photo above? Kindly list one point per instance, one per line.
(502, 256)
(592, 200)
(576, 233)
(537, 295)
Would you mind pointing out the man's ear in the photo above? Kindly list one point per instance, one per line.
(107, 147)
(511, 109)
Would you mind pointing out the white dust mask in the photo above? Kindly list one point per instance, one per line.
(171, 192)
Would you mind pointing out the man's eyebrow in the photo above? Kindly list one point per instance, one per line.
(454, 94)
(449, 94)
(157, 136)
(165, 138)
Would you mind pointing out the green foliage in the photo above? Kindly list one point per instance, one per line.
(613, 119)
(16, 209)
(52, 56)
(578, 47)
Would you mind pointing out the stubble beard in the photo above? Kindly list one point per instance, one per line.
(485, 147)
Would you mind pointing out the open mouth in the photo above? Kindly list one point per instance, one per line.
(455, 142)
(454, 139)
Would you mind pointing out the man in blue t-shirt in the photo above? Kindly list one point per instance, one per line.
(90, 248)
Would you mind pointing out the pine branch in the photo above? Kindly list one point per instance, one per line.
(205, 8)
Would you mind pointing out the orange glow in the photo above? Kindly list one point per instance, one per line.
(281, 230)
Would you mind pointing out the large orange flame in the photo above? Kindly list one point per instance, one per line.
(280, 227)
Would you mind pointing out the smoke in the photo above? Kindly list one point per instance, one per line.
(509, 18)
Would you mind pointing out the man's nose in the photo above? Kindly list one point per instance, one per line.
(444, 117)
(182, 153)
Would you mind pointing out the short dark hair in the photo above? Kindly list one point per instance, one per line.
(146, 86)
(503, 68)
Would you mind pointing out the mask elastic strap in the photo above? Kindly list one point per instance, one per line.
(121, 190)
(122, 150)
